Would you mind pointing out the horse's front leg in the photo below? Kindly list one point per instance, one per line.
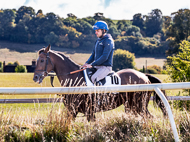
(90, 108)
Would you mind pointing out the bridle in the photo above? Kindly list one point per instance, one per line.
(46, 64)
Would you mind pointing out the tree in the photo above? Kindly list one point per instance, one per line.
(114, 32)
(83, 27)
(122, 24)
(167, 21)
(153, 22)
(179, 30)
(7, 18)
(20, 33)
(123, 59)
(22, 11)
(51, 38)
(179, 70)
(138, 21)
(39, 13)
(179, 67)
(132, 31)
(90, 20)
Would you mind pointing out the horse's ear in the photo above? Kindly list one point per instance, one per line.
(47, 48)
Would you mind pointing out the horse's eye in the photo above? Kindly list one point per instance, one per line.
(42, 60)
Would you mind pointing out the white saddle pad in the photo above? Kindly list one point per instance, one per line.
(110, 80)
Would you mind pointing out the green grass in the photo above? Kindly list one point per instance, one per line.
(24, 80)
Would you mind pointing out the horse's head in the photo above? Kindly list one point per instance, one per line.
(44, 65)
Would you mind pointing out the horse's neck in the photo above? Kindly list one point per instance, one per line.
(63, 67)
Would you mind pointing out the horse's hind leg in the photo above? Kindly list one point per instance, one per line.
(128, 102)
(148, 95)
(90, 114)
(91, 117)
(143, 103)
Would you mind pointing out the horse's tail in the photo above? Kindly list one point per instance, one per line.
(156, 98)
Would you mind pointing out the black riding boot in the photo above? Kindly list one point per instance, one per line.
(98, 83)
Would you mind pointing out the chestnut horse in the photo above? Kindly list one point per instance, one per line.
(89, 104)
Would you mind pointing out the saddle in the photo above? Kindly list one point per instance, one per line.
(110, 80)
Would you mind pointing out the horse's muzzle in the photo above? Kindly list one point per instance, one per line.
(38, 78)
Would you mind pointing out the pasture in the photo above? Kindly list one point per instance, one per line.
(50, 122)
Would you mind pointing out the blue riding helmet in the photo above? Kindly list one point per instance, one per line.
(100, 25)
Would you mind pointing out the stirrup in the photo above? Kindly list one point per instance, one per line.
(98, 83)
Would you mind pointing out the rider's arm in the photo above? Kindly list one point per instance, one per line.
(108, 47)
(91, 58)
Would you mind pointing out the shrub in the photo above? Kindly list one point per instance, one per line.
(16, 63)
(149, 70)
(10, 63)
(164, 72)
(152, 71)
(123, 59)
(179, 65)
(20, 68)
(1, 64)
(156, 67)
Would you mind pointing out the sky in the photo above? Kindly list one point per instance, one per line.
(113, 9)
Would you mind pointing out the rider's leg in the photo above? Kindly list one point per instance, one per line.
(102, 71)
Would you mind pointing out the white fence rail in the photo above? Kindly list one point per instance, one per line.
(102, 89)
(97, 89)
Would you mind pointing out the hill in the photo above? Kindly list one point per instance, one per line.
(25, 53)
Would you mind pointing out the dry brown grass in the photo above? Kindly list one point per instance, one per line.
(141, 61)
(52, 124)
(25, 53)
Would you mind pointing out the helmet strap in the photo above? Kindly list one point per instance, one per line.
(103, 32)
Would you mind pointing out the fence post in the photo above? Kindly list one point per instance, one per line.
(169, 111)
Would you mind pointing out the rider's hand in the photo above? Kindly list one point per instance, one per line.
(83, 66)
(86, 66)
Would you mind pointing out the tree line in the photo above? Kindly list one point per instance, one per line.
(151, 34)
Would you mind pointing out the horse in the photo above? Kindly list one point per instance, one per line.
(89, 104)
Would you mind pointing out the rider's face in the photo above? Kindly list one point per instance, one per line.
(98, 33)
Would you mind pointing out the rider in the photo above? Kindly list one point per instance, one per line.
(102, 54)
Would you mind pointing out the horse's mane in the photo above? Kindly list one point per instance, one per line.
(65, 57)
